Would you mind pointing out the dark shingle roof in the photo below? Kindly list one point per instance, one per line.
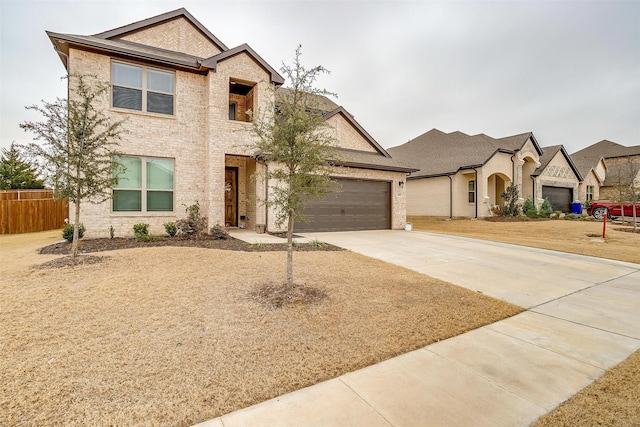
(369, 160)
(588, 158)
(437, 153)
(607, 149)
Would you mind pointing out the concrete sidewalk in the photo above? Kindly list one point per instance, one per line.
(583, 318)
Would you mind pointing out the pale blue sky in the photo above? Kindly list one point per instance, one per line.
(569, 71)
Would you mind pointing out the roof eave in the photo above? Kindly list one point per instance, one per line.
(69, 40)
(212, 63)
(356, 125)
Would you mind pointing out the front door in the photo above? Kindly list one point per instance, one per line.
(231, 197)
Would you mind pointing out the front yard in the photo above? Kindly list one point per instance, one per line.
(572, 236)
(173, 336)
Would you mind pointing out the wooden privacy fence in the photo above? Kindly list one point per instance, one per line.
(26, 211)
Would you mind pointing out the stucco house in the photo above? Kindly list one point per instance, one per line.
(186, 97)
(602, 165)
(463, 175)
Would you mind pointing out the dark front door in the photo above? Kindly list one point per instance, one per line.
(231, 197)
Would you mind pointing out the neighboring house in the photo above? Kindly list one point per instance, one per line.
(603, 165)
(463, 175)
(188, 100)
(557, 178)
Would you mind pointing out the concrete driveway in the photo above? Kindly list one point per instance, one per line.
(583, 318)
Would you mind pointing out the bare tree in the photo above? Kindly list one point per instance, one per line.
(79, 145)
(297, 145)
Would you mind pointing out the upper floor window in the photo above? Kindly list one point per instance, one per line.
(472, 191)
(241, 96)
(140, 88)
(589, 193)
(146, 185)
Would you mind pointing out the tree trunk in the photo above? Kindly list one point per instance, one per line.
(76, 229)
(290, 252)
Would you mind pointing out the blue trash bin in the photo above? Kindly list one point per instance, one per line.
(576, 208)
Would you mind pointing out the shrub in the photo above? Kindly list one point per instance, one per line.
(67, 232)
(510, 197)
(531, 213)
(112, 232)
(194, 224)
(141, 232)
(218, 232)
(546, 209)
(528, 205)
(170, 228)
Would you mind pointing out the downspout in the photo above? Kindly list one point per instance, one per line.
(450, 196)
(475, 190)
(513, 170)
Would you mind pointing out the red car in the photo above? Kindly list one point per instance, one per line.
(611, 209)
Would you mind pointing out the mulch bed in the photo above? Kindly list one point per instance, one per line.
(230, 244)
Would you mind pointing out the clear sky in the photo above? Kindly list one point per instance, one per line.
(568, 71)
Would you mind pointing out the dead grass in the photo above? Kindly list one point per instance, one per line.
(175, 336)
(612, 400)
(560, 235)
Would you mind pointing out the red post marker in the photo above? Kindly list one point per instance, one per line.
(604, 225)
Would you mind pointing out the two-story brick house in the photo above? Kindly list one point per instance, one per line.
(187, 99)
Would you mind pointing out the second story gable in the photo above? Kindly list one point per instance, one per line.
(176, 31)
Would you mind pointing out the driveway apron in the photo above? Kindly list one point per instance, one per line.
(582, 318)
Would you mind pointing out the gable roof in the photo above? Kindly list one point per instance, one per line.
(381, 160)
(548, 153)
(607, 149)
(109, 43)
(212, 63)
(588, 158)
(436, 153)
(159, 19)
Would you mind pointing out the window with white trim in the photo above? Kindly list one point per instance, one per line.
(140, 88)
(472, 191)
(145, 185)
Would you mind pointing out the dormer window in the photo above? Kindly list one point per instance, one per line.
(241, 96)
(141, 88)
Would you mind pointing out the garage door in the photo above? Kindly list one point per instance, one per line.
(358, 205)
(560, 198)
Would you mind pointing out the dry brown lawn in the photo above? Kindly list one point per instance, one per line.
(612, 400)
(172, 335)
(578, 237)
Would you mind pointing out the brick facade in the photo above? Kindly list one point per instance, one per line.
(200, 138)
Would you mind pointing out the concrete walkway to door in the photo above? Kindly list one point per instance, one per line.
(583, 317)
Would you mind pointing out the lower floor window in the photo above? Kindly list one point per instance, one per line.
(144, 185)
(472, 191)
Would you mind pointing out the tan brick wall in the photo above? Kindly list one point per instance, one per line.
(231, 136)
(199, 137)
(347, 135)
(177, 35)
(181, 137)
